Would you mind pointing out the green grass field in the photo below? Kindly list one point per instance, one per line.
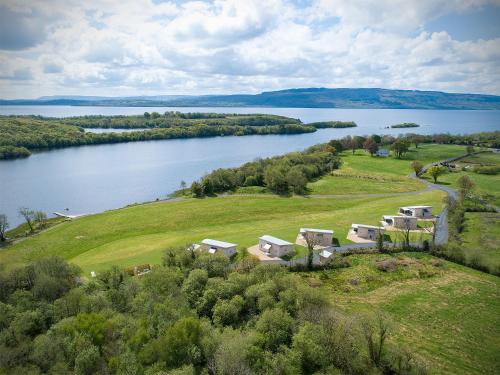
(487, 186)
(426, 153)
(140, 234)
(446, 313)
(361, 173)
(481, 235)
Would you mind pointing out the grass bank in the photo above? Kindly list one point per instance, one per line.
(444, 313)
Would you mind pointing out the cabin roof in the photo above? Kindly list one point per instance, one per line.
(365, 226)
(216, 243)
(402, 216)
(413, 207)
(327, 231)
(274, 240)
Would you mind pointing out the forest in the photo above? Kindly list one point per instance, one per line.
(24, 134)
(194, 314)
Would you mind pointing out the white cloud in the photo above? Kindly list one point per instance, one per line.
(199, 47)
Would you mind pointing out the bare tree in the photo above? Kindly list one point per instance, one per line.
(4, 225)
(406, 232)
(466, 186)
(28, 215)
(312, 240)
(380, 242)
(434, 228)
(375, 335)
(40, 218)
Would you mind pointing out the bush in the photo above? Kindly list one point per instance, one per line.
(387, 265)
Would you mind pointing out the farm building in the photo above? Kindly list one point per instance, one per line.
(421, 212)
(274, 247)
(368, 232)
(400, 222)
(320, 237)
(214, 246)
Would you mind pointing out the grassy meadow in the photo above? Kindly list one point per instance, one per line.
(445, 313)
(361, 173)
(140, 234)
(481, 236)
(487, 186)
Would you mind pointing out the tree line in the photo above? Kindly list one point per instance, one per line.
(173, 119)
(284, 174)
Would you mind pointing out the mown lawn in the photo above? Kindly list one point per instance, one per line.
(426, 153)
(140, 234)
(361, 173)
(446, 313)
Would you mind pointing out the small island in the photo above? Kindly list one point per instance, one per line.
(333, 124)
(405, 125)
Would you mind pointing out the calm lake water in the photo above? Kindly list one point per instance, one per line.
(91, 179)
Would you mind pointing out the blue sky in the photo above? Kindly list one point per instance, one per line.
(145, 47)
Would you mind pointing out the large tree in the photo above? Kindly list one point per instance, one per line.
(400, 147)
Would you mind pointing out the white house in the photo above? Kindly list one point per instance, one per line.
(274, 247)
(214, 246)
(400, 221)
(383, 152)
(421, 212)
(369, 232)
(320, 237)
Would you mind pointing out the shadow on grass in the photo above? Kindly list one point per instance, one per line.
(387, 238)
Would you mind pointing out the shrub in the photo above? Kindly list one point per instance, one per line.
(387, 265)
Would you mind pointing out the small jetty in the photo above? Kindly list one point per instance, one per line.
(68, 216)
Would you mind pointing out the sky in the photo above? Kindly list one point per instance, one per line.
(153, 47)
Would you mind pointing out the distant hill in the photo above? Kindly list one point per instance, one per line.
(298, 98)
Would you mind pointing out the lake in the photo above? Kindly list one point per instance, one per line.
(91, 179)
